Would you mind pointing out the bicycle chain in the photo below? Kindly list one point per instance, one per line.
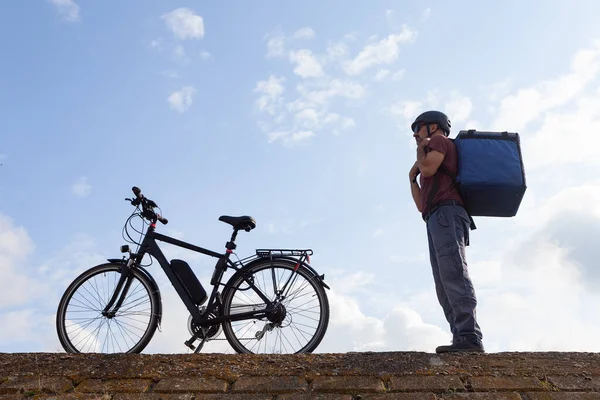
(245, 305)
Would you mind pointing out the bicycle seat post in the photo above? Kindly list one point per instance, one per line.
(230, 246)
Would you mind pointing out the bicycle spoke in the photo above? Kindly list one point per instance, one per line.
(85, 329)
(298, 300)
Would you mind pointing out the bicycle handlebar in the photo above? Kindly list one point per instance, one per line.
(147, 206)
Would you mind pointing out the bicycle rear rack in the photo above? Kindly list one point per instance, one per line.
(270, 253)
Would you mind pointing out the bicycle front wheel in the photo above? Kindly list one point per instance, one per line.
(82, 328)
(302, 315)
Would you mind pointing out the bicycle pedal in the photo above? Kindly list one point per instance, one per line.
(189, 344)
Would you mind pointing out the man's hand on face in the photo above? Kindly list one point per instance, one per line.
(424, 142)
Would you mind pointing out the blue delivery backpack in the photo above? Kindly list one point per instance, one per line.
(491, 176)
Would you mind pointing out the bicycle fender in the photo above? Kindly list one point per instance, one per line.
(321, 278)
(146, 274)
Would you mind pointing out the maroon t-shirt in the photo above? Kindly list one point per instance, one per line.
(446, 190)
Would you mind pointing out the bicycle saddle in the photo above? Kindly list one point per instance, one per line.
(246, 223)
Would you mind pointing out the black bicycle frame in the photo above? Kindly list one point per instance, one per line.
(150, 246)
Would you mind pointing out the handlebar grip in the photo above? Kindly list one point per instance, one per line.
(162, 219)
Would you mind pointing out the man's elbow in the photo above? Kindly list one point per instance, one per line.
(427, 172)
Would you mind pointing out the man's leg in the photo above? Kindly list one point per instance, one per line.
(439, 288)
(449, 228)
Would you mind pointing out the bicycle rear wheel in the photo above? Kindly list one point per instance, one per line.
(82, 328)
(303, 311)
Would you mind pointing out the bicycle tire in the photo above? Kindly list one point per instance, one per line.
(234, 285)
(89, 275)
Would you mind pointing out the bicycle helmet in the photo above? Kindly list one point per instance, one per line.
(433, 117)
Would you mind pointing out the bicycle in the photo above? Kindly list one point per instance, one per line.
(131, 302)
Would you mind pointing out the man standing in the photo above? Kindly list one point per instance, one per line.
(448, 225)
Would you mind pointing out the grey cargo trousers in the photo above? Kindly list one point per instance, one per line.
(448, 234)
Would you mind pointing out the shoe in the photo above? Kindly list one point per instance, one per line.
(462, 344)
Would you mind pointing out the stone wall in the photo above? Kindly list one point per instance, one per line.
(349, 376)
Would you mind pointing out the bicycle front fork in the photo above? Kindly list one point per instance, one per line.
(120, 291)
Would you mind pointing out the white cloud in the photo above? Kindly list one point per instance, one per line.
(307, 110)
(350, 329)
(384, 74)
(69, 261)
(304, 33)
(458, 108)
(311, 109)
(67, 9)
(517, 110)
(308, 117)
(180, 55)
(81, 188)
(525, 295)
(185, 23)
(381, 74)
(181, 100)
(271, 91)
(15, 245)
(426, 14)
(563, 137)
(336, 51)
(302, 135)
(385, 51)
(156, 44)
(496, 91)
(307, 64)
(205, 55)
(347, 122)
(18, 326)
(321, 92)
(408, 109)
(398, 75)
(565, 108)
(276, 46)
(290, 137)
(570, 200)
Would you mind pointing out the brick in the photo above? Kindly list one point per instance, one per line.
(269, 384)
(52, 384)
(419, 383)
(347, 384)
(154, 396)
(482, 396)
(190, 385)
(114, 386)
(316, 396)
(237, 396)
(576, 383)
(563, 396)
(399, 396)
(509, 383)
(73, 396)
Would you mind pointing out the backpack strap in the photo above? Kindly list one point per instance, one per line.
(455, 184)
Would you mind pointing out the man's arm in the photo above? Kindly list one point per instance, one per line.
(428, 163)
(414, 186)
(416, 194)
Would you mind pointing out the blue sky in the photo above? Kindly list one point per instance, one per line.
(299, 115)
